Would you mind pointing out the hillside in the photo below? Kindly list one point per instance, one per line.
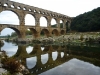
(87, 22)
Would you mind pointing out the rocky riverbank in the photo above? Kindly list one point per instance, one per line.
(11, 66)
(71, 38)
(93, 37)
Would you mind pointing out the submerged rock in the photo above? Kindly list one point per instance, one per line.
(23, 69)
(3, 71)
(18, 73)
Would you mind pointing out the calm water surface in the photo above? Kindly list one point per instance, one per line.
(70, 59)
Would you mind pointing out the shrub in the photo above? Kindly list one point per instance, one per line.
(11, 64)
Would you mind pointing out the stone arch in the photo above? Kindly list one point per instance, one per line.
(16, 30)
(30, 34)
(63, 32)
(29, 60)
(53, 22)
(42, 48)
(4, 15)
(55, 32)
(46, 58)
(34, 32)
(43, 21)
(54, 55)
(68, 25)
(29, 19)
(6, 5)
(29, 49)
(62, 54)
(45, 32)
(46, 48)
(61, 23)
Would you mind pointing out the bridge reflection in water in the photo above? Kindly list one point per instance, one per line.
(88, 53)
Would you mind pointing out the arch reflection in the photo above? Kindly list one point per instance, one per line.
(36, 65)
(31, 62)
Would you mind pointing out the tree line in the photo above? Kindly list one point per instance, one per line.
(87, 22)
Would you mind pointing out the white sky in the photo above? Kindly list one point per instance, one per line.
(70, 8)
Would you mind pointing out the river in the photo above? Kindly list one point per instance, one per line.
(57, 59)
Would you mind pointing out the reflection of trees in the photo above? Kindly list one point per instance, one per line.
(91, 52)
(86, 53)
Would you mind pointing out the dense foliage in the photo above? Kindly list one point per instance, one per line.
(89, 21)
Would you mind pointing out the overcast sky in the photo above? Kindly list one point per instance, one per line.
(70, 8)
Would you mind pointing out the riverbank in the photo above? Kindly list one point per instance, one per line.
(10, 65)
(93, 37)
(77, 37)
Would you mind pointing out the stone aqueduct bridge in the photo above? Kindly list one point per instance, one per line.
(21, 10)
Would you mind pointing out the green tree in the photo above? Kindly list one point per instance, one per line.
(89, 21)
